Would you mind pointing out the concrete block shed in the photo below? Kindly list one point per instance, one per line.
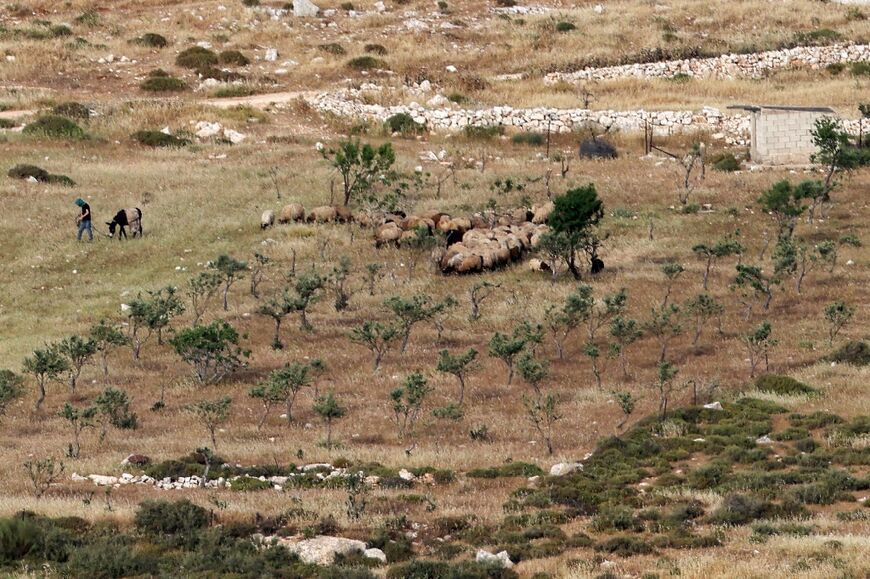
(781, 135)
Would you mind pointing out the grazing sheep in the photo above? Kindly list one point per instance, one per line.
(542, 213)
(292, 212)
(388, 233)
(324, 214)
(267, 220)
(539, 265)
(343, 214)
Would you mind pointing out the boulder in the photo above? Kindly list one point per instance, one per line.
(304, 8)
(321, 550)
(713, 406)
(563, 468)
(102, 480)
(501, 558)
(375, 554)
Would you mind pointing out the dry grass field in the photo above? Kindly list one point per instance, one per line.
(206, 199)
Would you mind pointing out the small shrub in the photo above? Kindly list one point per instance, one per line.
(27, 171)
(196, 57)
(365, 63)
(250, 3)
(233, 91)
(378, 49)
(7, 124)
(483, 132)
(55, 127)
(625, 546)
(740, 509)
(835, 68)
(457, 98)
(506, 3)
(565, 27)
(449, 412)
(856, 353)
(72, 110)
(784, 386)
(158, 139)
(170, 518)
(333, 48)
(708, 476)
(532, 139)
(819, 36)
(60, 31)
(726, 163)
(347, 6)
(233, 58)
(597, 149)
(163, 84)
(18, 537)
(510, 469)
(151, 40)
(246, 484)
(404, 124)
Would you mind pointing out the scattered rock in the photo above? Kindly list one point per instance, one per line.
(375, 554)
(271, 54)
(501, 558)
(563, 468)
(321, 550)
(714, 406)
(305, 8)
(763, 440)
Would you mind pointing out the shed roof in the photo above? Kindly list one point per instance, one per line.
(757, 108)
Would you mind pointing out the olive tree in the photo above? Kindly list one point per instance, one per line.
(724, 247)
(702, 308)
(329, 410)
(283, 386)
(406, 402)
(664, 325)
(77, 351)
(573, 227)
(113, 408)
(45, 365)
(458, 365)
(360, 165)
(624, 332)
(79, 419)
(277, 307)
(411, 311)
(152, 314)
(11, 388)
(758, 343)
(377, 337)
(211, 414)
(230, 270)
(838, 314)
(307, 289)
(508, 348)
(543, 412)
(212, 350)
(200, 291)
(106, 337)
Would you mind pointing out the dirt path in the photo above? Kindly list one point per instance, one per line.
(259, 101)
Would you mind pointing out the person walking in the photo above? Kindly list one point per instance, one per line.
(84, 220)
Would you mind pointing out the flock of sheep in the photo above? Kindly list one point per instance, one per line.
(476, 243)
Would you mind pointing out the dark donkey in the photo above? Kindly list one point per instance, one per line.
(124, 218)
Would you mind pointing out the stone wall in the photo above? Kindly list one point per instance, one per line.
(733, 129)
(727, 66)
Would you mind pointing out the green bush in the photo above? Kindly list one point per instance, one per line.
(533, 139)
(422, 569)
(726, 162)
(378, 49)
(18, 537)
(365, 63)
(158, 139)
(483, 132)
(111, 558)
(817, 37)
(708, 476)
(27, 171)
(233, 58)
(196, 57)
(511, 469)
(818, 419)
(72, 110)
(625, 546)
(835, 68)
(250, 3)
(565, 27)
(450, 412)
(152, 40)
(234, 91)
(856, 353)
(332, 48)
(784, 386)
(163, 84)
(7, 124)
(246, 484)
(55, 127)
(860, 68)
(170, 518)
(404, 124)
(740, 509)
(457, 98)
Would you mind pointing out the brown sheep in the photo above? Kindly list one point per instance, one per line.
(292, 212)
(267, 220)
(323, 214)
(542, 213)
(343, 214)
(388, 233)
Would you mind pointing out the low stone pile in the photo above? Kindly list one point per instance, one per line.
(316, 473)
(725, 66)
